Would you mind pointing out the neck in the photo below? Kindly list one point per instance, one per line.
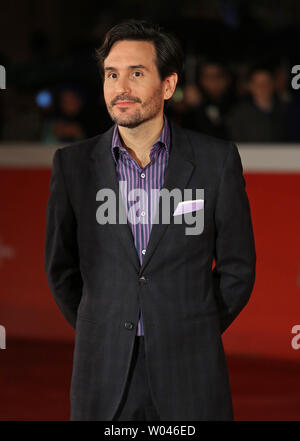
(139, 140)
(264, 103)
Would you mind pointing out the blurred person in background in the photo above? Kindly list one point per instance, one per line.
(191, 96)
(21, 117)
(281, 84)
(241, 80)
(260, 116)
(192, 99)
(292, 118)
(216, 100)
(181, 106)
(292, 102)
(69, 120)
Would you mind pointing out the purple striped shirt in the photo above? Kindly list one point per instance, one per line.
(148, 178)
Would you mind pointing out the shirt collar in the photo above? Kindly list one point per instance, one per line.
(164, 140)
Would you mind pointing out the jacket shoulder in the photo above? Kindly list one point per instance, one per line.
(79, 148)
(208, 146)
(76, 155)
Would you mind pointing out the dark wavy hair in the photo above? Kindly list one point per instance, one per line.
(169, 53)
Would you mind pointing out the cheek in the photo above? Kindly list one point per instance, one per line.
(107, 93)
(151, 92)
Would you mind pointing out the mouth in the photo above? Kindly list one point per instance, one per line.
(125, 103)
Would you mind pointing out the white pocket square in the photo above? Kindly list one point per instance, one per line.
(188, 206)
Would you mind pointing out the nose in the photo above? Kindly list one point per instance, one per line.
(122, 85)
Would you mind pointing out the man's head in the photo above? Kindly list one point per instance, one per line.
(261, 83)
(70, 102)
(214, 79)
(140, 65)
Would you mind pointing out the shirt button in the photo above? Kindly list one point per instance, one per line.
(143, 251)
(143, 175)
(129, 325)
(143, 213)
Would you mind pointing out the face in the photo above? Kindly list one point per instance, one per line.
(262, 85)
(133, 91)
(213, 80)
(70, 102)
(191, 95)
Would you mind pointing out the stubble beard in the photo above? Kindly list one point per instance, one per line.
(147, 111)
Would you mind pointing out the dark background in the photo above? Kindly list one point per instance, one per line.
(50, 45)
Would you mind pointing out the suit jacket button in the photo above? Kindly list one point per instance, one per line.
(142, 279)
(129, 325)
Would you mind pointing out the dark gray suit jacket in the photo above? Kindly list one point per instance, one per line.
(95, 276)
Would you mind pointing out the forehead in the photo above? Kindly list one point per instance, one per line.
(261, 76)
(212, 70)
(126, 53)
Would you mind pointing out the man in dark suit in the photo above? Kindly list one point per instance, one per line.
(146, 302)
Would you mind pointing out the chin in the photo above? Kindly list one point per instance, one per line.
(128, 122)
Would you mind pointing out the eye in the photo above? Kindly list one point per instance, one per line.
(138, 72)
(112, 73)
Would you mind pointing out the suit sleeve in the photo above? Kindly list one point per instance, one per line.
(235, 256)
(61, 252)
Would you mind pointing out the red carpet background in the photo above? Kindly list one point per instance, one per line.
(35, 367)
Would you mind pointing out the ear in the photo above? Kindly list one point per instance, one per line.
(170, 85)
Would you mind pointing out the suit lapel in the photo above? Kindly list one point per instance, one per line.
(104, 170)
(179, 170)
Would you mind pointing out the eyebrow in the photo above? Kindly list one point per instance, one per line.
(136, 66)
